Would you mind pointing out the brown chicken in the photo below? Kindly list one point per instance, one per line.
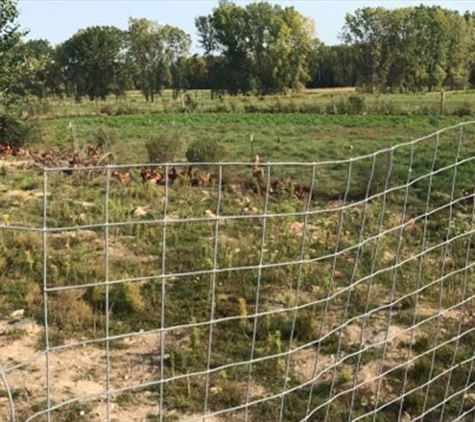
(188, 173)
(5, 149)
(156, 176)
(185, 176)
(201, 178)
(256, 171)
(205, 178)
(20, 152)
(300, 191)
(92, 153)
(276, 186)
(172, 175)
(123, 178)
(144, 174)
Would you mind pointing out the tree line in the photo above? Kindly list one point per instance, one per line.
(411, 49)
(259, 48)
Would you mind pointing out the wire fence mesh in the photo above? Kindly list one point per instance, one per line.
(331, 290)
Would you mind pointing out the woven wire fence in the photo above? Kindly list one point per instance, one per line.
(330, 290)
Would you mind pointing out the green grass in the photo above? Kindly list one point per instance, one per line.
(317, 101)
(277, 137)
(136, 250)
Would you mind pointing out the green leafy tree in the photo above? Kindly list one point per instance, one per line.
(10, 36)
(264, 47)
(91, 61)
(296, 37)
(198, 72)
(333, 66)
(36, 59)
(154, 49)
(411, 48)
(460, 40)
(367, 29)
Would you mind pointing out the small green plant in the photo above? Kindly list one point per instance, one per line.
(274, 346)
(164, 147)
(195, 335)
(191, 104)
(124, 399)
(243, 314)
(127, 298)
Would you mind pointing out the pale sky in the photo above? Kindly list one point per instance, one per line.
(57, 20)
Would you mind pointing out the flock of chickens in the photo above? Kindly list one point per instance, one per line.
(91, 156)
(8, 150)
(276, 185)
(159, 177)
(187, 177)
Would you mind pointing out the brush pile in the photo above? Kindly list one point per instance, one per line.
(89, 156)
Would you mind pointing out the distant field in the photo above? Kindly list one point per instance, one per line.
(277, 137)
(317, 101)
(312, 125)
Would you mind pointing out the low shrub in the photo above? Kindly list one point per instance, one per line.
(191, 104)
(356, 104)
(164, 147)
(208, 150)
(17, 132)
(462, 110)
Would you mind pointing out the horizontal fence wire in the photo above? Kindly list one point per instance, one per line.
(328, 290)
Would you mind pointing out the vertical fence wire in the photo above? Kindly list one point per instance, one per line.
(161, 410)
(45, 294)
(107, 293)
(347, 302)
(258, 291)
(463, 311)
(11, 401)
(358, 252)
(213, 288)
